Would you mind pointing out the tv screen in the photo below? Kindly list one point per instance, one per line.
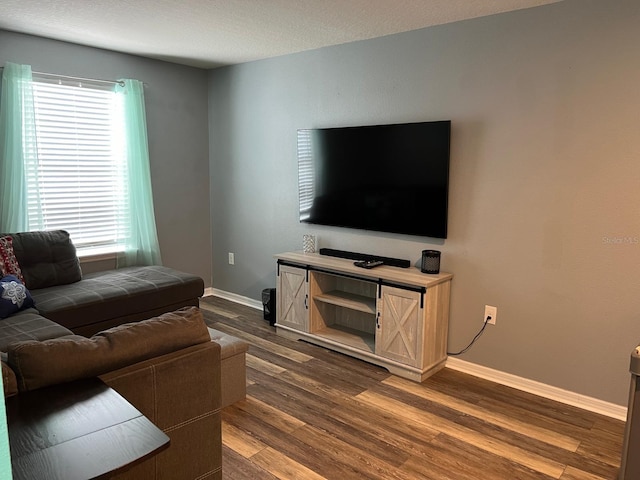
(386, 178)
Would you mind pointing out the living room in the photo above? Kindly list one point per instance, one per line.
(543, 182)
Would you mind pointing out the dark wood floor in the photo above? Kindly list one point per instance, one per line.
(315, 414)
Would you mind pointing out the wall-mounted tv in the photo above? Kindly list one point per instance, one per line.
(386, 178)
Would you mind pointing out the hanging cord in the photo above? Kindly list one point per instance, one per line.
(486, 321)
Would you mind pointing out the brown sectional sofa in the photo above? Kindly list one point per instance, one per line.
(162, 358)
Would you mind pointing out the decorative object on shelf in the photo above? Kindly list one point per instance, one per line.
(430, 261)
(309, 243)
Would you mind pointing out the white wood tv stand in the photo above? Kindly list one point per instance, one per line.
(393, 317)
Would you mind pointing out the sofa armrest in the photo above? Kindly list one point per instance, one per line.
(180, 393)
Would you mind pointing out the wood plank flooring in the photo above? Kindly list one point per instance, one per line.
(314, 414)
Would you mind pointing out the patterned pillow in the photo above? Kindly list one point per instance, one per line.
(8, 261)
(14, 296)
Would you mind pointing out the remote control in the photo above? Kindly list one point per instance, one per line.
(368, 263)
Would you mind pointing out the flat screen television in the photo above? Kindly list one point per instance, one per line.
(385, 178)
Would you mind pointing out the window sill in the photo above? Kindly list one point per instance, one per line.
(87, 255)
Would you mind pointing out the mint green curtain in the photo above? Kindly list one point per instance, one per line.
(18, 146)
(142, 246)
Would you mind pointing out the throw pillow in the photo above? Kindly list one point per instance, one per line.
(46, 258)
(8, 261)
(14, 296)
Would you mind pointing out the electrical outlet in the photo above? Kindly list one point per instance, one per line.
(491, 313)
(232, 259)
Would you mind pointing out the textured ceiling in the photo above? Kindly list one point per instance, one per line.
(211, 33)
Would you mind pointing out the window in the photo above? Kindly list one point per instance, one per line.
(75, 156)
(79, 181)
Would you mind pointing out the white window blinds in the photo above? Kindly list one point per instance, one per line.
(78, 183)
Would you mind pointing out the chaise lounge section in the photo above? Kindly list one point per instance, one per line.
(87, 304)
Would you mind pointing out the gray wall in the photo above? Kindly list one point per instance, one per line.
(176, 110)
(545, 172)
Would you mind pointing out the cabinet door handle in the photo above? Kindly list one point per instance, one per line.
(306, 302)
(378, 320)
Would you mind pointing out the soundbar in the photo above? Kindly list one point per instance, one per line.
(392, 262)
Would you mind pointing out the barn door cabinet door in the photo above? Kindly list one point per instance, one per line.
(292, 298)
(399, 326)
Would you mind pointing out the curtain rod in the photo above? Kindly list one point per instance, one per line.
(79, 79)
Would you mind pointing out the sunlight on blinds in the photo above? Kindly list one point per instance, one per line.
(79, 182)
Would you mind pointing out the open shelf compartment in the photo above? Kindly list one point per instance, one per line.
(348, 336)
(349, 300)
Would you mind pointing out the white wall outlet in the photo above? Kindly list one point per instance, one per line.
(232, 259)
(490, 313)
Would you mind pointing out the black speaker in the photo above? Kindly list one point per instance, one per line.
(269, 305)
(392, 262)
(430, 261)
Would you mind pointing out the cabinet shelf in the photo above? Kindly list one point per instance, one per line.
(352, 301)
(349, 336)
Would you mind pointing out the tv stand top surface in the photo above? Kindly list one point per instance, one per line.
(411, 275)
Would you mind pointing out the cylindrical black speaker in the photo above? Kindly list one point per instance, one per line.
(430, 261)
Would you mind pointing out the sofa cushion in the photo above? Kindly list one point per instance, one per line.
(14, 296)
(111, 294)
(8, 262)
(38, 364)
(28, 325)
(46, 258)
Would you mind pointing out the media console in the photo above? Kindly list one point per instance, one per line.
(396, 318)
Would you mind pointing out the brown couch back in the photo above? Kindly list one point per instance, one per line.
(47, 362)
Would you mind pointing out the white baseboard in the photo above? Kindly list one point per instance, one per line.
(542, 390)
(232, 297)
(531, 386)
